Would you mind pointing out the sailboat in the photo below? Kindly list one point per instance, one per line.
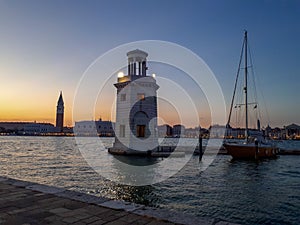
(254, 146)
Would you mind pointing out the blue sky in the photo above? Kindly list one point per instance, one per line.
(47, 45)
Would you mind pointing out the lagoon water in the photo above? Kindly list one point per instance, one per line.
(267, 192)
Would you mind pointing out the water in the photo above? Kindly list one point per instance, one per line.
(267, 192)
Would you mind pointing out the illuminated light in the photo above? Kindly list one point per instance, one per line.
(120, 74)
(153, 75)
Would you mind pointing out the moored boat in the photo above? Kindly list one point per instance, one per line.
(254, 146)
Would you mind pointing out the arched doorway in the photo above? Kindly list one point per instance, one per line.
(140, 125)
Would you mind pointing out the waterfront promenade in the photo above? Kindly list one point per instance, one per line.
(28, 203)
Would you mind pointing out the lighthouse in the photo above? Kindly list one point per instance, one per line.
(136, 107)
(60, 114)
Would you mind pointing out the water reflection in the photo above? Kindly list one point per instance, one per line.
(145, 195)
(133, 170)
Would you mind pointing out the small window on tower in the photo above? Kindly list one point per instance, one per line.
(122, 130)
(141, 96)
(123, 97)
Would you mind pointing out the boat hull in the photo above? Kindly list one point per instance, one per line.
(244, 151)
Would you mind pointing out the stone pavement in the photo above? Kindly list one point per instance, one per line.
(28, 203)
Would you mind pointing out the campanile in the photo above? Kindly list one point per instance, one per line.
(60, 114)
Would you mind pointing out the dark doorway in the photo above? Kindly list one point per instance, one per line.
(140, 130)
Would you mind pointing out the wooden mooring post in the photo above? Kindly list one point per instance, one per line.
(200, 145)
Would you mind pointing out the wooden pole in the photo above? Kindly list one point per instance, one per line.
(200, 146)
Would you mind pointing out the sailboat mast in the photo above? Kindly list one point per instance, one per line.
(246, 87)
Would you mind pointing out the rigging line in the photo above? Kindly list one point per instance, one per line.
(261, 92)
(256, 110)
(236, 80)
(252, 74)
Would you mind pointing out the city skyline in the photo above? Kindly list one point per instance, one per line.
(46, 48)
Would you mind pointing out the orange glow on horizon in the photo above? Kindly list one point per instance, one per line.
(46, 113)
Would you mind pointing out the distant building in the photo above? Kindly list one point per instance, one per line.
(164, 130)
(278, 133)
(230, 132)
(94, 128)
(12, 127)
(38, 128)
(85, 128)
(268, 131)
(178, 130)
(60, 114)
(292, 131)
(192, 132)
(217, 131)
(68, 130)
(105, 128)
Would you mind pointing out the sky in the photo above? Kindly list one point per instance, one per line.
(46, 46)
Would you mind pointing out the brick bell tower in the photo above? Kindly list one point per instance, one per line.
(60, 113)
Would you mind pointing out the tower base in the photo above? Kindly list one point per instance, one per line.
(150, 153)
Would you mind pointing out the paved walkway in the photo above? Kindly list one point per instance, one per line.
(33, 204)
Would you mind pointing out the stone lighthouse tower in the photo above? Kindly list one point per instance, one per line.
(136, 107)
(60, 114)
